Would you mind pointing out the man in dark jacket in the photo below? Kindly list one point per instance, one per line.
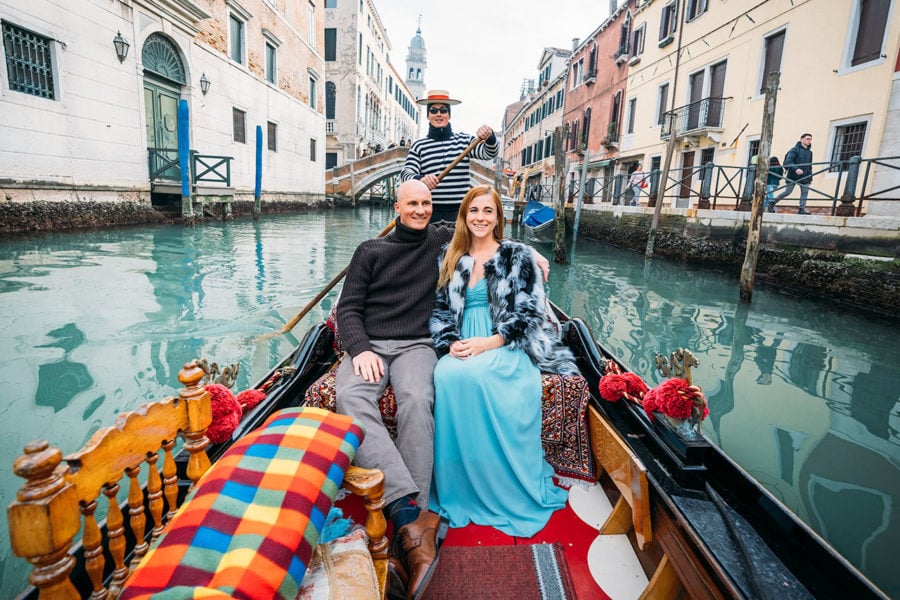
(797, 171)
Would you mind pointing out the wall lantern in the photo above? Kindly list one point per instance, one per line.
(204, 83)
(121, 46)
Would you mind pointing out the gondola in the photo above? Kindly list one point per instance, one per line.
(714, 532)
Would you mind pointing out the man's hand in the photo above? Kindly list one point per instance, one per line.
(368, 365)
(542, 263)
(430, 181)
(799, 171)
(484, 132)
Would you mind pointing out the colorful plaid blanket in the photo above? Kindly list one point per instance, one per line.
(564, 431)
(250, 527)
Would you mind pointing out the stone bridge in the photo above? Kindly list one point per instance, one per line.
(353, 179)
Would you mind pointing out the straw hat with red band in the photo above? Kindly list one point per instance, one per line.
(437, 97)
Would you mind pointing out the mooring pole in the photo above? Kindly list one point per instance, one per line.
(670, 147)
(578, 202)
(184, 160)
(559, 159)
(257, 187)
(748, 270)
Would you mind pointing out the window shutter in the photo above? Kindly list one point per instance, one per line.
(774, 49)
(870, 33)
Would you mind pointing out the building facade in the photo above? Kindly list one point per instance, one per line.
(89, 99)
(702, 73)
(528, 136)
(368, 106)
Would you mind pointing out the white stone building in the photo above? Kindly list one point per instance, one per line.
(368, 106)
(84, 120)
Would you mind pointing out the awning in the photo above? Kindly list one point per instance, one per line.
(599, 163)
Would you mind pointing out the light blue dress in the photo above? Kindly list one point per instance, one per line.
(489, 465)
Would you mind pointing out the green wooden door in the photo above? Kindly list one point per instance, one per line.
(161, 105)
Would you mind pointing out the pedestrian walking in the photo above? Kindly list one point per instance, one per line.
(797, 171)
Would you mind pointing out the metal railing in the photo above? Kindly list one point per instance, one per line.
(703, 114)
(205, 168)
(731, 188)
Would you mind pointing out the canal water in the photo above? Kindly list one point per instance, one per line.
(804, 395)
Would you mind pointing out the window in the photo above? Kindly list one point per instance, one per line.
(868, 37)
(753, 150)
(330, 3)
(29, 62)
(236, 40)
(668, 23)
(629, 120)
(616, 110)
(312, 149)
(637, 41)
(239, 124)
(330, 44)
(330, 99)
(592, 63)
(662, 101)
(331, 160)
(624, 37)
(848, 142)
(270, 63)
(312, 92)
(695, 8)
(586, 127)
(708, 155)
(773, 46)
(360, 49)
(272, 136)
(311, 24)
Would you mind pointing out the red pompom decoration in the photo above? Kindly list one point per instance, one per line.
(226, 413)
(649, 403)
(636, 386)
(674, 398)
(250, 398)
(612, 387)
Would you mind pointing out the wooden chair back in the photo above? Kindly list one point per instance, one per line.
(60, 496)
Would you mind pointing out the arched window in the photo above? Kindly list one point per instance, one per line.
(160, 57)
(330, 98)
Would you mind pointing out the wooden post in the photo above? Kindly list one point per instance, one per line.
(670, 147)
(559, 159)
(580, 199)
(748, 270)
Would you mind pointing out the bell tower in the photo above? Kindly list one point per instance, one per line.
(415, 63)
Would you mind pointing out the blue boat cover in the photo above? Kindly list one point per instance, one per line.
(536, 214)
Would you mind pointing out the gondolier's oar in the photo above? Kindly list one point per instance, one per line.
(293, 322)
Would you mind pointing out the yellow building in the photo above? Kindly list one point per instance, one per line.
(710, 60)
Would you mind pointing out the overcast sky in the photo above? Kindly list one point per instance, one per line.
(481, 50)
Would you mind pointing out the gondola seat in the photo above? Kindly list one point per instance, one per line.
(250, 522)
(564, 405)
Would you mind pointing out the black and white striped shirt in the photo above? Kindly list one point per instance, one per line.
(428, 156)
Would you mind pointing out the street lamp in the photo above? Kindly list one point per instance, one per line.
(121, 45)
(204, 83)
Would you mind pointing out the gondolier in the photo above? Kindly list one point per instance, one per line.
(429, 155)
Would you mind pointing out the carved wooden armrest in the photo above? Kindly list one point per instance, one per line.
(369, 483)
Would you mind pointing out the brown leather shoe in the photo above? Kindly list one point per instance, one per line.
(398, 579)
(417, 545)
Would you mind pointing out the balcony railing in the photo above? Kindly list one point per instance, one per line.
(696, 117)
(329, 126)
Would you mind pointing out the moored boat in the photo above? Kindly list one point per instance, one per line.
(538, 219)
(704, 525)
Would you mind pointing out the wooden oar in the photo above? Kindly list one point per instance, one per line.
(293, 322)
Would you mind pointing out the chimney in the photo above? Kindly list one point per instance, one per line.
(575, 43)
(612, 7)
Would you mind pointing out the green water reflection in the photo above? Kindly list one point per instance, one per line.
(804, 396)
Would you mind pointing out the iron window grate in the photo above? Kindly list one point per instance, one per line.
(29, 62)
(848, 142)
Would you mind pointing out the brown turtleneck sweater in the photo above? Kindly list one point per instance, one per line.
(389, 290)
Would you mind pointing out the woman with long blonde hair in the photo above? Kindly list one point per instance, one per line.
(490, 323)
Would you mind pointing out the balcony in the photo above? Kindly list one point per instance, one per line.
(590, 77)
(695, 119)
(329, 126)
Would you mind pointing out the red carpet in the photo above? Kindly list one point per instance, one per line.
(523, 572)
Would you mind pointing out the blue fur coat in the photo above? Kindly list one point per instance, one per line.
(517, 303)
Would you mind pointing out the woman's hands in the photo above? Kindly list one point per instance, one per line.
(463, 349)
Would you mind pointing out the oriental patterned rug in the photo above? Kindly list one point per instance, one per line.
(523, 572)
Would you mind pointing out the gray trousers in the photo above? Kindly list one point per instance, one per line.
(406, 463)
(789, 187)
